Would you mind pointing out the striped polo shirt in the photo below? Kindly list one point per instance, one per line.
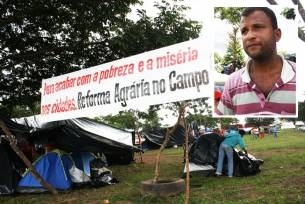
(241, 95)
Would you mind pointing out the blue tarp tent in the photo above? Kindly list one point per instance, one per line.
(53, 167)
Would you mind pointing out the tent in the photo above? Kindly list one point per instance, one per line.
(54, 168)
(74, 135)
(154, 137)
(83, 135)
(82, 161)
(58, 169)
(203, 156)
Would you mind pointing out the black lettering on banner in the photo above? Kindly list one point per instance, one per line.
(93, 99)
(158, 86)
(188, 80)
(136, 90)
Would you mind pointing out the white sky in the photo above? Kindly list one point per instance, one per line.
(203, 11)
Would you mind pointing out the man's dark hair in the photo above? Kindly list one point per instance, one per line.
(249, 10)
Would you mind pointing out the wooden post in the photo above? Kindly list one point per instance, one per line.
(136, 124)
(187, 189)
(13, 143)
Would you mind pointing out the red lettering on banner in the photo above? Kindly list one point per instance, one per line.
(181, 57)
(63, 105)
(149, 64)
(83, 80)
(119, 71)
(45, 109)
(48, 89)
(141, 66)
(65, 84)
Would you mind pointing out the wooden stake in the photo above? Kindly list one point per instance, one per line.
(13, 143)
(187, 189)
(136, 123)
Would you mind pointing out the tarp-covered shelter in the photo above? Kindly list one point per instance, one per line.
(11, 165)
(154, 137)
(83, 135)
(203, 156)
(75, 136)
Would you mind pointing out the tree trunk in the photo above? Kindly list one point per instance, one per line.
(157, 169)
(167, 137)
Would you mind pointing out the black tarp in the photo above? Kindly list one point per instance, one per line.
(203, 156)
(204, 150)
(83, 135)
(74, 135)
(154, 137)
(7, 184)
(11, 165)
(20, 131)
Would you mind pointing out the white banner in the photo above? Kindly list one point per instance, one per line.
(174, 73)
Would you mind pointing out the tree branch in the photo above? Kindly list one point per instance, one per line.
(272, 2)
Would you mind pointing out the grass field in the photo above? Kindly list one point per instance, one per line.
(282, 179)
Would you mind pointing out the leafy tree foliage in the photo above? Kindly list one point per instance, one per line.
(301, 29)
(260, 121)
(45, 39)
(133, 119)
(234, 55)
(41, 39)
(123, 120)
(301, 111)
(288, 13)
(227, 122)
(230, 14)
(169, 27)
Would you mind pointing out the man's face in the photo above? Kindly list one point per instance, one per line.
(258, 36)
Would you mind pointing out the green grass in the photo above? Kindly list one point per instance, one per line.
(282, 179)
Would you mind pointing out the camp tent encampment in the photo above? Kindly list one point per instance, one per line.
(83, 135)
(203, 156)
(154, 137)
(75, 136)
